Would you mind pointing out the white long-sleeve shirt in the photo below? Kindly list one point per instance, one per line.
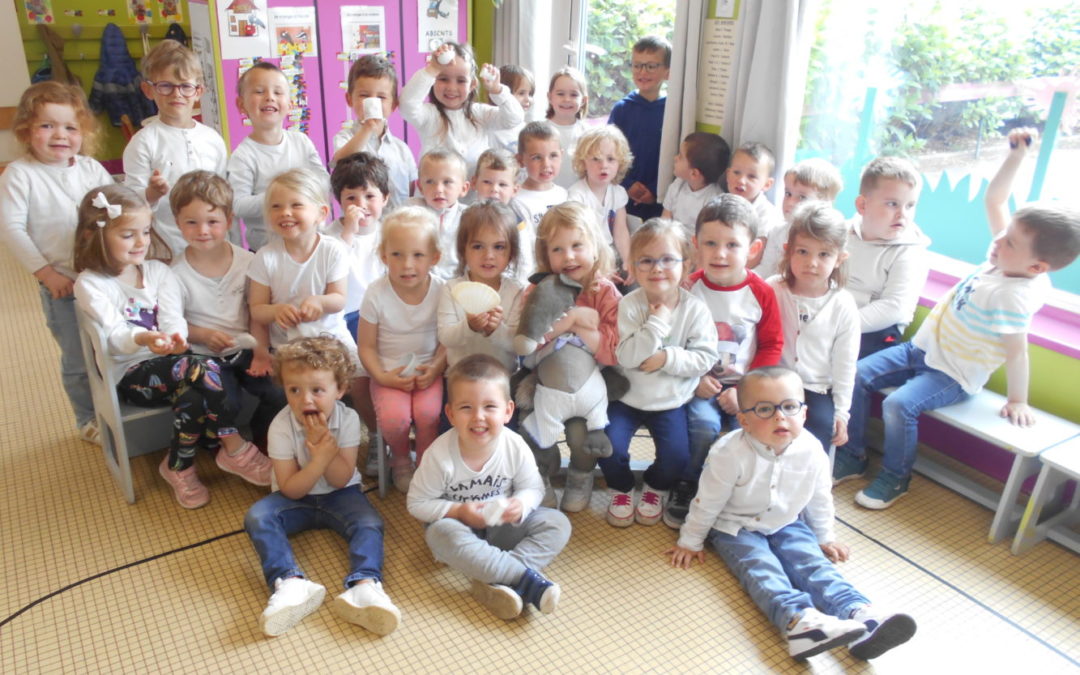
(885, 277)
(461, 341)
(688, 339)
(398, 157)
(39, 209)
(467, 139)
(821, 341)
(744, 484)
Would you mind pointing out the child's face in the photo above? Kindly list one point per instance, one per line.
(570, 252)
(1013, 252)
(658, 268)
(478, 410)
(524, 94)
(887, 209)
(487, 254)
(779, 430)
(442, 184)
(266, 99)
(722, 252)
(310, 391)
(496, 184)
(542, 159)
(381, 88)
(813, 262)
(602, 164)
(748, 177)
(649, 72)
(203, 226)
(369, 199)
(682, 165)
(566, 99)
(174, 108)
(408, 257)
(796, 193)
(55, 137)
(292, 215)
(127, 238)
(453, 84)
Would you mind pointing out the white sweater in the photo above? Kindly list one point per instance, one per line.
(885, 277)
(461, 341)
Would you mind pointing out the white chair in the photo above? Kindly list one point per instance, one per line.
(1060, 464)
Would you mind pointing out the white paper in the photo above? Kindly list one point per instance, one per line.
(363, 30)
(293, 31)
(438, 23)
(244, 30)
(373, 108)
(493, 511)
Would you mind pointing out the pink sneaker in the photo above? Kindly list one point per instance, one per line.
(248, 463)
(189, 490)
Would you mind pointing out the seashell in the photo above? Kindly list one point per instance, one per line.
(475, 297)
(373, 108)
(445, 57)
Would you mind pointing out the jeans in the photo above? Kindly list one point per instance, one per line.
(921, 388)
(60, 318)
(786, 573)
(271, 397)
(820, 413)
(874, 342)
(705, 421)
(668, 429)
(271, 520)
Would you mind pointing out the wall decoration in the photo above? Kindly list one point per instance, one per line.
(363, 30)
(437, 23)
(293, 31)
(244, 31)
(39, 11)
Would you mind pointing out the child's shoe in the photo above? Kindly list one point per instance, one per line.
(188, 489)
(847, 466)
(503, 601)
(884, 491)
(371, 465)
(651, 505)
(620, 510)
(248, 463)
(883, 632)
(367, 605)
(537, 590)
(402, 476)
(293, 599)
(679, 504)
(816, 632)
(578, 491)
(90, 433)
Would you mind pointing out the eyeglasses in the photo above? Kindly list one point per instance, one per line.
(187, 89)
(650, 67)
(789, 407)
(666, 262)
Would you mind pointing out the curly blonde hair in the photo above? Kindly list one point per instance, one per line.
(592, 138)
(314, 353)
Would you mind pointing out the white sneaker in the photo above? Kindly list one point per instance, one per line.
(90, 433)
(651, 505)
(620, 510)
(368, 605)
(816, 632)
(503, 601)
(293, 599)
(883, 632)
(402, 477)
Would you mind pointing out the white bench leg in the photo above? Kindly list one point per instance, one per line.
(1007, 511)
(1029, 533)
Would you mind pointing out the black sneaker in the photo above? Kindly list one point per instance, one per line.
(679, 503)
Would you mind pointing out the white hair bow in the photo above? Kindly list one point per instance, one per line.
(112, 210)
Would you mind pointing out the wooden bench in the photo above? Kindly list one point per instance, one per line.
(1060, 464)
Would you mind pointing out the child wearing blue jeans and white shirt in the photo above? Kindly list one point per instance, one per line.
(313, 445)
(756, 483)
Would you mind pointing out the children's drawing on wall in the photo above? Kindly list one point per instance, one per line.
(39, 11)
(362, 30)
(139, 11)
(169, 10)
(438, 23)
(244, 29)
(293, 31)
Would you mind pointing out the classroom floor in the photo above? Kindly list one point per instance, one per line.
(90, 583)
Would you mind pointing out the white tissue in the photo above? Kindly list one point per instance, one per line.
(494, 510)
(373, 108)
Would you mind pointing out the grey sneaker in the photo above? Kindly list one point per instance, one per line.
(578, 492)
(371, 464)
(503, 601)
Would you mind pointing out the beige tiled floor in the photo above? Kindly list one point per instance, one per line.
(90, 583)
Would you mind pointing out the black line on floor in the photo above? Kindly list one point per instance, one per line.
(962, 592)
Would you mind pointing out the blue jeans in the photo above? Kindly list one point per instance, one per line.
(820, 413)
(874, 342)
(668, 429)
(271, 520)
(60, 317)
(786, 573)
(705, 421)
(920, 388)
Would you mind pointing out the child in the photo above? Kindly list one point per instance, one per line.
(451, 119)
(601, 159)
(568, 243)
(812, 179)
(213, 282)
(568, 108)
(487, 245)
(262, 93)
(496, 175)
(313, 445)
(539, 153)
(398, 337)
(640, 116)
(702, 160)
(443, 182)
(373, 76)
(39, 195)
(820, 320)
(478, 492)
(136, 305)
(757, 482)
(173, 143)
(299, 279)
(750, 176)
(979, 325)
(522, 85)
(888, 264)
(749, 334)
(667, 341)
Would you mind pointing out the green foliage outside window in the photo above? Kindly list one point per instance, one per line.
(613, 28)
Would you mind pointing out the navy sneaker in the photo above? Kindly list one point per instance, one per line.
(815, 633)
(678, 505)
(846, 466)
(537, 590)
(883, 632)
(884, 491)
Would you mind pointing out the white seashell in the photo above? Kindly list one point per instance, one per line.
(493, 511)
(373, 108)
(475, 297)
(446, 57)
(410, 361)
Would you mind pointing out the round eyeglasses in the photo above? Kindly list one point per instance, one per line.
(187, 89)
(789, 407)
(650, 67)
(664, 262)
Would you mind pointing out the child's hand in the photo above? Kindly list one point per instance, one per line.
(350, 221)
(708, 387)
(640, 194)
(179, 345)
(1019, 413)
(316, 435)
(394, 378)
(729, 401)
(425, 375)
(654, 362)
(513, 511)
(311, 309)
(472, 514)
(478, 323)
(157, 188)
(660, 311)
(59, 286)
(585, 318)
(1021, 140)
(156, 341)
(683, 558)
(839, 436)
(261, 364)
(434, 65)
(286, 316)
(489, 75)
(218, 341)
(836, 552)
(494, 320)
(374, 126)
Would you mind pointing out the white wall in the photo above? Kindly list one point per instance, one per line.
(13, 79)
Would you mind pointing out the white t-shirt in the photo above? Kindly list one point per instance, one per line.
(218, 303)
(365, 266)
(286, 440)
(685, 204)
(615, 198)
(773, 254)
(399, 160)
(404, 330)
(769, 217)
(461, 341)
(568, 138)
(533, 204)
(447, 222)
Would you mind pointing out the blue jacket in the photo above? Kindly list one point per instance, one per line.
(116, 84)
(641, 121)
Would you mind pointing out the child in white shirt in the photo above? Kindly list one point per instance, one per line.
(702, 160)
(750, 176)
(601, 159)
(522, 85)
(568, 108)
(443, 182)
(540, 154)
(812, 179)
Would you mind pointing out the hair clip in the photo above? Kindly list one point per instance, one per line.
(113, 210)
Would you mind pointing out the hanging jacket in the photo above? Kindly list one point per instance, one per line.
(116, 84)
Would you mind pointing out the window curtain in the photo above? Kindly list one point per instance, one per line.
(517, 40)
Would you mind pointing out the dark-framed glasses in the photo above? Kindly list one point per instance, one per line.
(187, 89)
(664, 262)
(650, 67)
(764, 410)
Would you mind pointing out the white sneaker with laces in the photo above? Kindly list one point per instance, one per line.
(816, 632)
(367, 605)
(651, 505)
(884, 631)
(620, 510)
(293, 599)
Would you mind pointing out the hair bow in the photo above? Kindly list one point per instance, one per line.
(112, 210)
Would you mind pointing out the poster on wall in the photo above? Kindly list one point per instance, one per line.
(292, 30)
(39, 11)
(243, 27)
(363, 30)
(169, 11)
(714, 73)
(202, 45)
(438, 23)
(139, 11)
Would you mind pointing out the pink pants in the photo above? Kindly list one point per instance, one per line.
(397, 410)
